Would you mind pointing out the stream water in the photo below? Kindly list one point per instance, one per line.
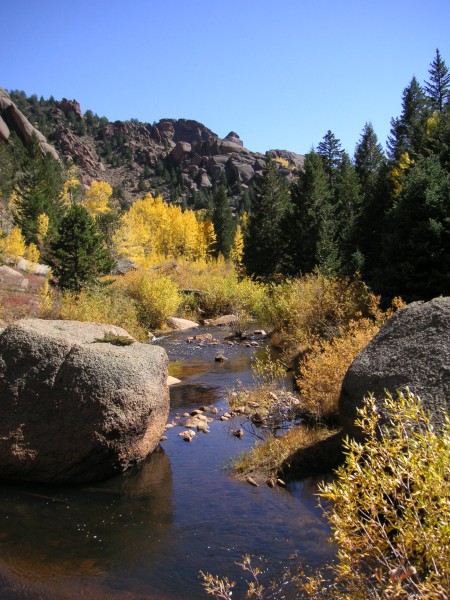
(145, 535)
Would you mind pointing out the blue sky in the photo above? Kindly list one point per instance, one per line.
(280, 74)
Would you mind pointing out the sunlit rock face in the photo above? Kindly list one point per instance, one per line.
(74, 408)
(412, 349)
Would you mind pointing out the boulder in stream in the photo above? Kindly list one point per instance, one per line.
(412, 349)
(76, 409)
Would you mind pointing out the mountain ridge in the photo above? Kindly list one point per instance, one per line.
(180, 158)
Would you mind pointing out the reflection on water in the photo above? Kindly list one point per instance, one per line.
(147, 533)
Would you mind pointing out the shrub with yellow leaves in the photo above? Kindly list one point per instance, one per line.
(389, 506)
(323, 368)
(109, 306)
(156, 296)
(13, 245)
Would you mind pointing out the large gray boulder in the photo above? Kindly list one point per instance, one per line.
(412, 349)
(74, 409)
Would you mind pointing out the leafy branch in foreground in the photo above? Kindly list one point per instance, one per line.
(390, 505)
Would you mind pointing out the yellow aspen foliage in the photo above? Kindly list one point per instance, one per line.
(71, 189)
(152, 227)
(432, 123)
(284, 163)
(32, 253)
(237, 249)
(398, 171)
(206, 238)
(45, 299)
(97, 198)
(130, 237)
(42, 226)
(13, 202)
(14, 243)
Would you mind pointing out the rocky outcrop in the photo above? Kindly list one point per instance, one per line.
(11, 119)
(80, 153)
(411, 349)
(74, 408)
(171, 155)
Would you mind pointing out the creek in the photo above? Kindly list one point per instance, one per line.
(145, 535)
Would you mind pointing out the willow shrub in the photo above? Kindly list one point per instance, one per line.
(103, 305)
(221, 290)
(389, 506)
(156, 295)
(324, 366)
(315, 307)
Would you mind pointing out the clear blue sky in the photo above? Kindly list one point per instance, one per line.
(280, 74)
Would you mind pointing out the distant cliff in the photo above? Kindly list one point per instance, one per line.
(180, 158)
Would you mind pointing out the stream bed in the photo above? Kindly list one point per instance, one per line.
(145, 535)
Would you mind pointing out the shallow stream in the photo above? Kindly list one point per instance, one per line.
(145, 535)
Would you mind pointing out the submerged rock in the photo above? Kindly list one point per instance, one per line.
(74, 408)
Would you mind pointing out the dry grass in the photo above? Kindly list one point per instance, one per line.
(275, 454)
(103, 306)
(324, 368)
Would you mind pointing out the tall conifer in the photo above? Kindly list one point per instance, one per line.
(263, 240)
(438, 86)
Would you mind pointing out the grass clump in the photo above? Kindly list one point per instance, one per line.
(272, 456)
(115, 340)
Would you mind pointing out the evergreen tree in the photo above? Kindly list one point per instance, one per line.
(311, 229)
(330, 150)
(347, 202)
(438, 87)
(38, 189)
(417, 244)
(370, 225)
(369, 157)
(263, 239)
(79, 256)
(7, 170)
(408, 132)
(222, 220)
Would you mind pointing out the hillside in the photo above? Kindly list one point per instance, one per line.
(181, 159)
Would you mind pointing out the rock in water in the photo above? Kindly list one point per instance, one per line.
(73, 409)
(411, 349)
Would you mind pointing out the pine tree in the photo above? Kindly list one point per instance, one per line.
(79, 256)
(370, 225)
(408, 132)
(438, 86)
(222, 220)
(347, 203)
(311, 229)
(263, 239)
(38, 189)
(417, 244)
(369, 157)
(330, 150)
